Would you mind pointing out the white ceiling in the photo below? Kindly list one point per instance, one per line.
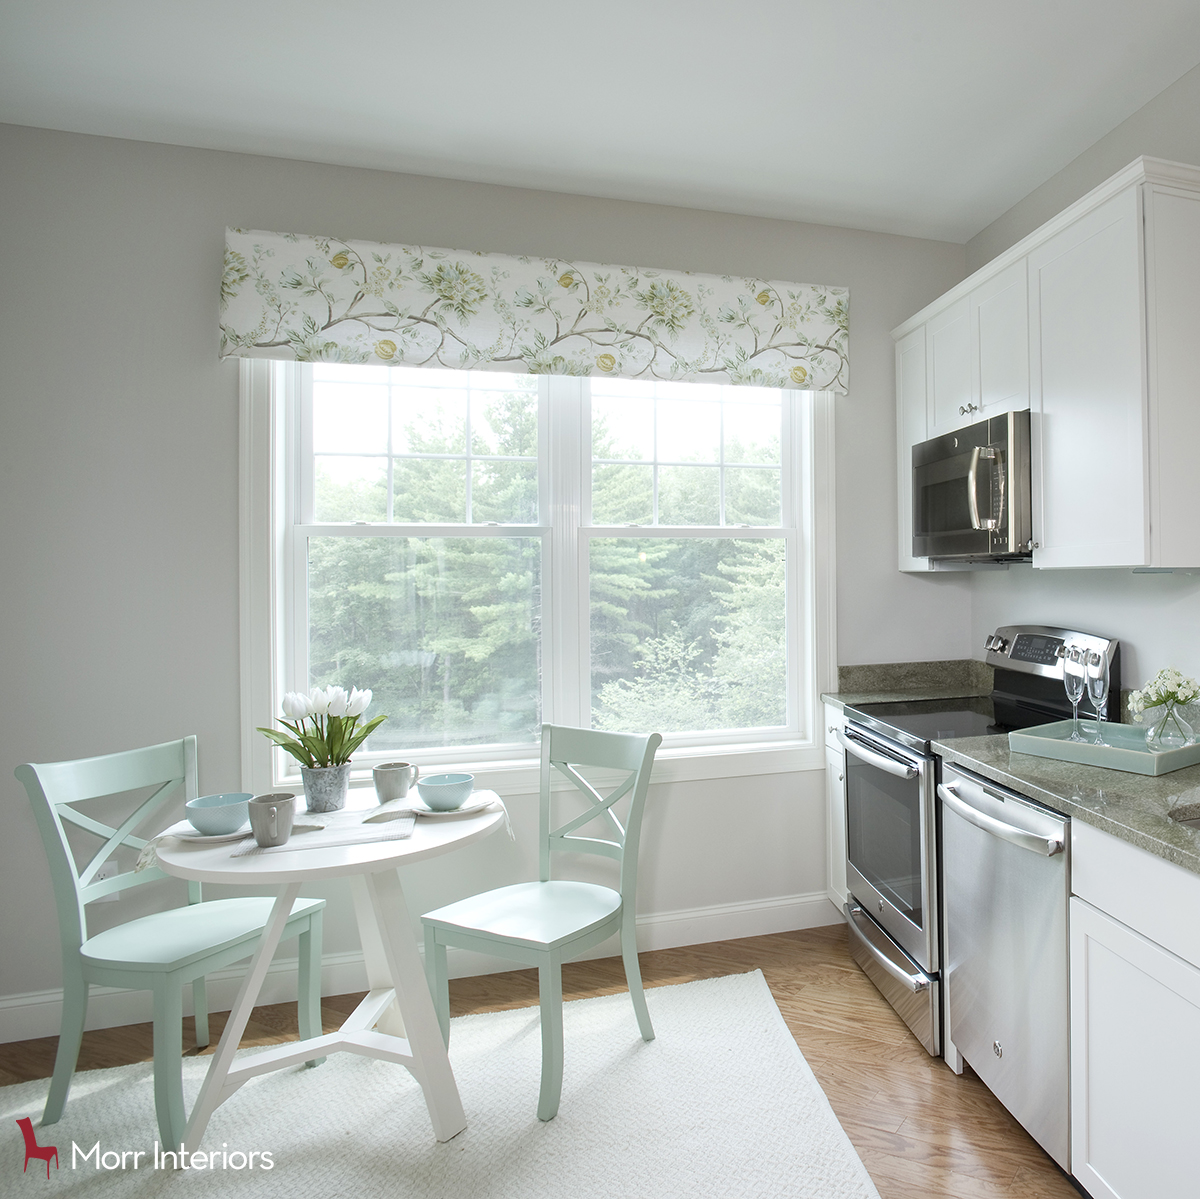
(924, 117)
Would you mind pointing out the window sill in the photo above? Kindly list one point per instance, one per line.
(679, 765)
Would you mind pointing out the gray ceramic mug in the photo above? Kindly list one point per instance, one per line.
(393, 779)
(271, 817)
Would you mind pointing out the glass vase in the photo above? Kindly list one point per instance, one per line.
(1169, 731)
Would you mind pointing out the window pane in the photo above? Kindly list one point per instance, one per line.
(429, 420)
(429, 489)
(752, 497)
(443, 630)
(505, 492)
(622, 495)
(688, 634)
(688, 431)
(505, 420)
(689, 495)
(622, 428)
(346, 489)
(752, 433)
(349, 419)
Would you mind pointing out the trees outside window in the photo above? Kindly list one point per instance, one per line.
(487, 551)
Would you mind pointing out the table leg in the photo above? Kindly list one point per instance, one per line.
(212, 1091)
(392, 959)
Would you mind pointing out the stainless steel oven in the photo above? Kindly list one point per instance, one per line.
(891, 872)
(972, 497)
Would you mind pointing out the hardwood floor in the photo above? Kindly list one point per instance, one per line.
(920, 1130)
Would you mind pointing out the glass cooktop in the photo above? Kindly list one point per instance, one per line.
(930, 719)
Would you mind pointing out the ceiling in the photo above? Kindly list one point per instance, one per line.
(921, 117)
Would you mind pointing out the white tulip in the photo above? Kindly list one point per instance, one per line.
(359, 702)
(295, 705)
(318, 702)
(337, 699)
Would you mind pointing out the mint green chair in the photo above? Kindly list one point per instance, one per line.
(160, 952)
(546, 923)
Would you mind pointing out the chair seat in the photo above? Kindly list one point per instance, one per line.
(536, 914)
(172, 939)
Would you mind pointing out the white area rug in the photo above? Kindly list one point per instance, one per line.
(721, 1103)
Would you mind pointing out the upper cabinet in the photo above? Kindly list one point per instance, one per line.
(1090, 322)
(979, 354)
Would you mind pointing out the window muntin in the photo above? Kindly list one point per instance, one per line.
(746, 450)
(685, 453)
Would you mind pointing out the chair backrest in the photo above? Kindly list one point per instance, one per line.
(563, 749)
(53, 787)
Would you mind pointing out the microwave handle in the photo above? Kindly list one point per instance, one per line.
(997, 456)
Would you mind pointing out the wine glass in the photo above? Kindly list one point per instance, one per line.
(1075, 682)
(1097, 685)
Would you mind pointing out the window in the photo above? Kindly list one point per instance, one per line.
(488, 551)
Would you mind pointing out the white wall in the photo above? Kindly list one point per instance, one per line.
(118, 476)
(1157, 617)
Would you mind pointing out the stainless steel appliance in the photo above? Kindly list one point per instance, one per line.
(972, 498)
(892, 841)
(1005, 889)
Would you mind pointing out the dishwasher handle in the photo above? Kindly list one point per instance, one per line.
(1034, 842)
(853, 746)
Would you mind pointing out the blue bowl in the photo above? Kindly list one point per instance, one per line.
(445, 792)
(217, 815)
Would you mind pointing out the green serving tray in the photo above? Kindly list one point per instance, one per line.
(1127, 749)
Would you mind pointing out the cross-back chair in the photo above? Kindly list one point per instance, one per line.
(549, 922)
(160, 952)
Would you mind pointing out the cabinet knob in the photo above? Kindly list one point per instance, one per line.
(841, 778)
(968, 409)
(833, 728)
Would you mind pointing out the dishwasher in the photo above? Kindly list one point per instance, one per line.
(1006, 888)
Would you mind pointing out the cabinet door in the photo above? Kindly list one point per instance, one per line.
(1085, 309)
(1135, 1058)
(1173, 318)
(911, 426)
(1000, 341)
(835, 824)
(951, 396)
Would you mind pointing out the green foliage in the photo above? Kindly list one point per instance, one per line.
(686, 633)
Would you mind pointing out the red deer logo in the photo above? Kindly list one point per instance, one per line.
(33, 1149)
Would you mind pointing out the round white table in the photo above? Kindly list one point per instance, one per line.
(396, 1020)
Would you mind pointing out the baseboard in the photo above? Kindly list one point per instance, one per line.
(37, 1013)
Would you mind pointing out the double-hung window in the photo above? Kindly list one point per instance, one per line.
(488, 551)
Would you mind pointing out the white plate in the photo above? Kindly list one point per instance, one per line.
(475, 804)
(184, 831)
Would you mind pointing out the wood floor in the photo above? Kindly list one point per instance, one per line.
(920, 1130)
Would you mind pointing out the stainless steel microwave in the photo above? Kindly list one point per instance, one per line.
(971, 492)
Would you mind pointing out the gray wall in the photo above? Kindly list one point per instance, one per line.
(119, 458)
(1166, 127)
(1155, 616)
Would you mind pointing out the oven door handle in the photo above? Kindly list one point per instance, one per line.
(1046, 846)
(913, 982)
(853, 746)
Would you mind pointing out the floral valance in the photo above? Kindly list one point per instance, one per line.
(319, 299)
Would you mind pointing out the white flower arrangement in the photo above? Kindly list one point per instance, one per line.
(1166, 689)
(334, 734)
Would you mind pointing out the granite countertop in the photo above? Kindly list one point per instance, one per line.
(1133, 807)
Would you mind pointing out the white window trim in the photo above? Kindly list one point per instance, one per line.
(265, 475)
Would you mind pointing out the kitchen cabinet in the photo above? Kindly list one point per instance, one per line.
(835, 809)
(1090, 322)
(979, 354)
(1135, 1020)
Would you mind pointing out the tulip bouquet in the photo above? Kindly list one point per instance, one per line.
(333, 734)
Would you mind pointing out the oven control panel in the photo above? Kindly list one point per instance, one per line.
(1039, 649)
